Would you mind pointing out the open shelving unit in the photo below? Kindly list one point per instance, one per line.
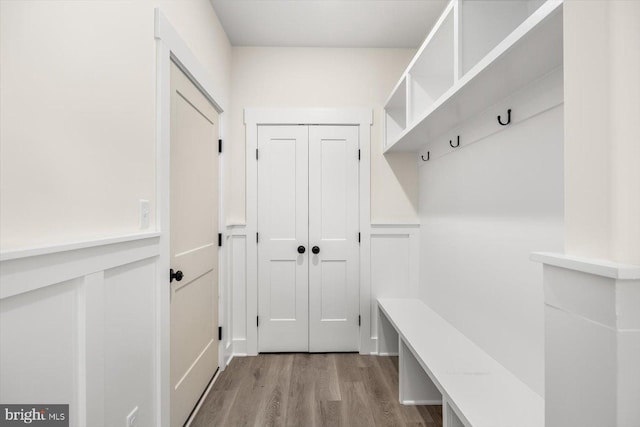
(431, 74)
(395, 117)
(478, 53)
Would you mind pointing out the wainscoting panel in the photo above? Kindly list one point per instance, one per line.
(77, 326)
(237, 272)
(394, 266)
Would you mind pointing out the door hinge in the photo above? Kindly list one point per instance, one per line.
(359, 321)
(358, 237)
(219, 239)
(257, 321)
(257, 237)
(219, 146)
(358, 154)
(219, 333)
(256, 154)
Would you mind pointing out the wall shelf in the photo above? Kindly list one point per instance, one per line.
(520, 56)
(395, 117)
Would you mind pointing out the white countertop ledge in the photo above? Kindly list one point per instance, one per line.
(598, 267)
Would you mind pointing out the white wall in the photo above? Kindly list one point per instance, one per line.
(602, 57)
(483, 209)
(592, 328)
(77, 152)
(331, 78)
(78, 105)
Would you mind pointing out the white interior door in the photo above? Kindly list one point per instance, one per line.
(308, 196)
(194, 246)
(283, 203)
(333, 233)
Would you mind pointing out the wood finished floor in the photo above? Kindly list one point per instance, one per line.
(301, 390)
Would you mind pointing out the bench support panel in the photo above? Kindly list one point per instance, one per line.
(387, 336)
(416, 388)
(449, 417)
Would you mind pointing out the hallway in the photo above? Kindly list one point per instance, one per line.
(342, 389)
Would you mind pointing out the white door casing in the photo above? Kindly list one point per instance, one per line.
(283, 224)
(308, 197)
(333, 229)
(193, 248)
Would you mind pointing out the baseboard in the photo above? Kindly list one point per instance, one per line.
(240, 347)
(195, 411)
(421, 402)
(386, 354)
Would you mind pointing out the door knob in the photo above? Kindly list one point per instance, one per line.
(301, 249)
(175, 275)
(315, 250)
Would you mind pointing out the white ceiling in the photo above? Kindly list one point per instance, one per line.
(328, 23)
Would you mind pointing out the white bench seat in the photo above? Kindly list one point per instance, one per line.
(475, 390)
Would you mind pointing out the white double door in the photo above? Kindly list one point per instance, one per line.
(308, 280)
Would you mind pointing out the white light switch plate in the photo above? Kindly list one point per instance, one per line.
(145, 212)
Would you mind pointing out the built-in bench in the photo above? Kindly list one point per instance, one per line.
(439, 365)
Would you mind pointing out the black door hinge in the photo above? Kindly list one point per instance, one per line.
(256, 154)
(219, 333)
(257, 237)
(219, 239)
(219, 146)
(358, 237)
(257, 321)
(359, 320)
(358, 154)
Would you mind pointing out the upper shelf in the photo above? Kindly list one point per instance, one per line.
(437, 100)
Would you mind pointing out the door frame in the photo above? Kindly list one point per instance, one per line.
(171, 47)
(254, 117)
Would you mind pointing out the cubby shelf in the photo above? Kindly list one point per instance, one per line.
(436, 100)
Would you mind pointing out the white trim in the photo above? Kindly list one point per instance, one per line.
(185, 59)
(25, 274)
(193, 414)
(362, 117)
(379, 226)
(308, 116)
(72, 246)
(421, 402)
(171, 47)
(240, 347)
(598, 267)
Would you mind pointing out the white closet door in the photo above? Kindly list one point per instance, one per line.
(333, 229)
(283, 204)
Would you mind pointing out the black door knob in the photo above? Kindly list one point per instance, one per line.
(175, 275)
(301, 249)
(315, 250)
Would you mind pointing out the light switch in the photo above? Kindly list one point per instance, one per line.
(145, 212)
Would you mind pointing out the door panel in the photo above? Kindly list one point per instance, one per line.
(194, 249)
(282, 222)
(333, 227)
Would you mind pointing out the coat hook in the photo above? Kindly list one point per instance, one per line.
(508, 118)
(454, 146)
(423, 159)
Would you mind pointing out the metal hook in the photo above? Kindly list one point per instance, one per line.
(454, 146)
(423, 159)
(508, 118)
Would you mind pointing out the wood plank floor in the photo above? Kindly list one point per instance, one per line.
(343, 389)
